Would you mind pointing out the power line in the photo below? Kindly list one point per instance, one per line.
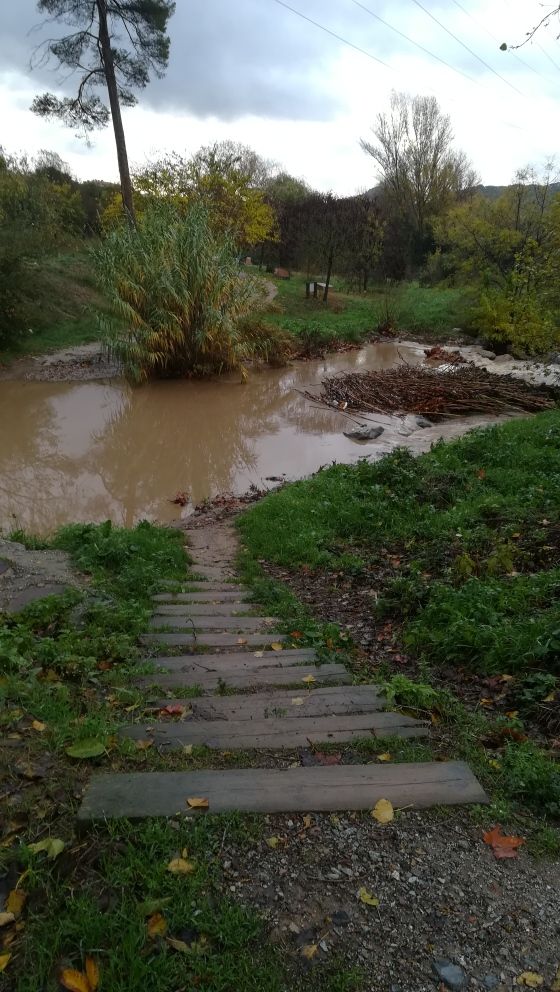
(416, 43)
(466, 47)
(333, 34)
(468, 14)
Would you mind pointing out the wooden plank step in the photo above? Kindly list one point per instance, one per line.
(239, 679)
(277, 731)
(204, 609)
(193, 585)
(212, 640)
(240, 624)
(219, 573)
(241, 660)
(203, 596)
(137, 795)
(326, 701)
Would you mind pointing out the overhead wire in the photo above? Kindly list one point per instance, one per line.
(466, 47)
(479, 24)
(412, 42)
(369, 55)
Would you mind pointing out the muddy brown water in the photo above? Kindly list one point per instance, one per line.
(91, 451)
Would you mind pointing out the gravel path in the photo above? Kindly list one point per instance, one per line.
(445, 902)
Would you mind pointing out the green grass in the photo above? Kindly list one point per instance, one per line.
(62, 308)
(355, 318)
(462, 547)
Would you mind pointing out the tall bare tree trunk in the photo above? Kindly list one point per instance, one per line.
(109, 68)
(329, 273)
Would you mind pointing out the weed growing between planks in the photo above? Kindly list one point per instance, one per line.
(458, 551)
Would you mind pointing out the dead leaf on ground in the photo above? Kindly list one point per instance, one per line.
(310, 951)
(328, 759)
(367, 898)
(38, 726)
(180, 866)
(173, 709)
(16, 901)
(277, 646)
(187, 749)
(502, 845)
(4, 961)
(52, 846)
(258, 654)
(6, 918)
(92, 972)
(143, 745)
(386, 756)
(77, 981)
(383, 811)
(307, 821)
(555, 987)
(197, 802)
(309, 679)
(177, 945)
(157, 925)
(297, 701)
(273, 842)
(530, 979)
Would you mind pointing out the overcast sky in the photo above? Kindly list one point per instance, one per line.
(256, 72)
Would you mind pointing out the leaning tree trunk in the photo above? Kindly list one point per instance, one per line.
(109, 69)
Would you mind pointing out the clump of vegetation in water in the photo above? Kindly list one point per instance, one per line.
(180, 304)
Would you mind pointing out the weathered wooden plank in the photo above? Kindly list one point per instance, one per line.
(239, 679)
(204, 609)
(203, 596)
(212, 640)
(195, 585)
(138, 795)
(241, 624)
(326, 701)
(277, 731)
(240, 660)
(217, 572)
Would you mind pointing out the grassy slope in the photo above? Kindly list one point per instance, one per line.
(462, 546)
(354, 318)
(62, 307)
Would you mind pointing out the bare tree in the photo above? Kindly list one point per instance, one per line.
(420, 171)
(102, 57)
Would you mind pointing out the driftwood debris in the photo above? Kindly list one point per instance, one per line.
(436, 393)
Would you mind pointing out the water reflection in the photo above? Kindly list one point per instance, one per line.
(92, 451)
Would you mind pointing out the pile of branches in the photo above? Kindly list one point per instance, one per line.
(433, 392)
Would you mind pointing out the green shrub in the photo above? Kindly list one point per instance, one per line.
(180, 302)
(530, 777)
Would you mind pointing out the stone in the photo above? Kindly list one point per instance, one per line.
(555, 358)
(364, 433)
(503, 359)
(483, 353)
(423, 423)
(450, 974)
(490, 982)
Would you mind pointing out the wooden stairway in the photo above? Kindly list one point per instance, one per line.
(291, 701)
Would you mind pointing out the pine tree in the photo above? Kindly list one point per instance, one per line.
(114, 44)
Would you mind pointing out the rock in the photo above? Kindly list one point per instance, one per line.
(490, 982)
(456, 330)
(364, 433)
(423, 423)
(484, 354)
(502, 359)
(450, 974)
(555, 358)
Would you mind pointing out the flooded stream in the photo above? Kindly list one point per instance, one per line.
(91, 451)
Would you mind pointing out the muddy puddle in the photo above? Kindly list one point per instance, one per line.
(91, 451)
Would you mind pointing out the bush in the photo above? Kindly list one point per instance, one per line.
(180, 301)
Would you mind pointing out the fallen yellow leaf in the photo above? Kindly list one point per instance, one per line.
(258, 654)
(307, 821)
(187, 749)
(273, 842)
(177, 945)
(52, 846)
(143, 745)
(16, 901)
(6, 918)
(179, 866)
(92, 972)
(530, 979)
(550, 698)
(367, 898)
(494, 763)
(385, 757)
(38, 726)
(4, 961)
(309, 679)
(196, 802)
(309, 951)
(74, 981)
(298, 701)
(277, 646)
(555, 987)
(383, 811)
(511, 714)
(157, 925)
